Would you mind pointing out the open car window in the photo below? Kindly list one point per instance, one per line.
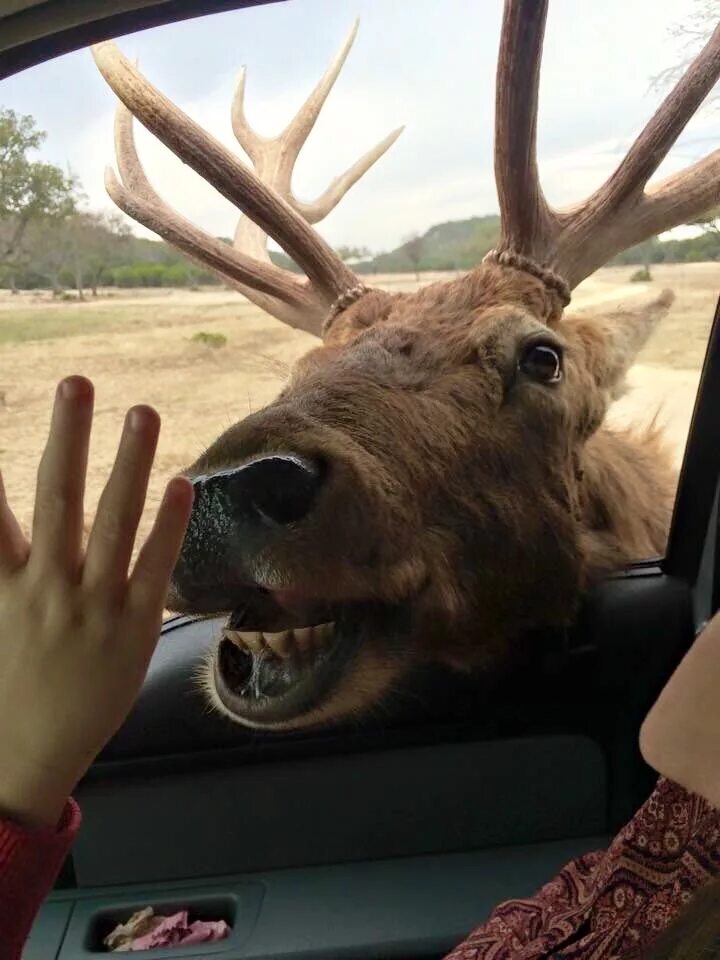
(462, 543)
(148, 322)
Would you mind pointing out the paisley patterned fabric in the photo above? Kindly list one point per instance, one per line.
(611, 903)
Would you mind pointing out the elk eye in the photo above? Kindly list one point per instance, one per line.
(542, 362)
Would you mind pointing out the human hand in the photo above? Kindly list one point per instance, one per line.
(680, 737)
(77, 631)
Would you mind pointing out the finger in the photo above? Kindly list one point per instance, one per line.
(14, 546)
(113, 533)
(58, 517)
(154, 566)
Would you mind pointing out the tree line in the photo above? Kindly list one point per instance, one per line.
(49, 239)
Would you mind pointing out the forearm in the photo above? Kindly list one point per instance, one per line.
(680, 734)
(33, 793)
(612, 903)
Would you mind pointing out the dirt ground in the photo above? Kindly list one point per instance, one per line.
(137, 347)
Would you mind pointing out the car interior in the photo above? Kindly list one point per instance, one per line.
(394, 837)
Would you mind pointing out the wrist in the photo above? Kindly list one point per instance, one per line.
(33, 812)
(34, 798)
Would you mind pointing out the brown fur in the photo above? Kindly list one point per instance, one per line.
(478, 501)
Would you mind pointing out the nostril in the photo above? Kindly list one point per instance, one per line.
(281, 488)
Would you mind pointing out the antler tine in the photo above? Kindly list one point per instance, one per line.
(299, 128)
(297, 131)
(564, 247)
(328, 275)
(317, 210)
(136, 196)
(249, 140)
(201, 248)
(662, 130)
(274, 158)
(684, 196)
(623, 212)
(524, 213)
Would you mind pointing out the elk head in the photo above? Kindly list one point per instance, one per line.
(435, 478)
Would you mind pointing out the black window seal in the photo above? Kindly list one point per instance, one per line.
(51, 29)
(700, 471)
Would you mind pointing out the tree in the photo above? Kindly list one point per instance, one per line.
(17, 263)
(692, 34)
(710, 223)
(77, 250)
(414, 248)
(46, 241)
(353, 253)
(30, 190)
(96, 242)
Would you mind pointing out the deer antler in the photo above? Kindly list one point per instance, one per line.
(274, 158)
(265, 197)
(573, 243)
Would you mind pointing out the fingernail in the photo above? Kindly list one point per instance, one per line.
(74, 387)
(143, 417)
(184, 482)
(136, 419)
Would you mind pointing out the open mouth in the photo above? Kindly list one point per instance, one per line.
(269, 675)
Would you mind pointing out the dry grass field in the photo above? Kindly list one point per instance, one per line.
(138, 347)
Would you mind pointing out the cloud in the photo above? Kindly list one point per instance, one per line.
(426, 64)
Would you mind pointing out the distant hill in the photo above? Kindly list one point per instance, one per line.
(455, 245)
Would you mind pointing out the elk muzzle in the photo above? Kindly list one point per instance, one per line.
(239, 513)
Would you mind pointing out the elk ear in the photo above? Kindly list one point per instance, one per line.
(611, 342)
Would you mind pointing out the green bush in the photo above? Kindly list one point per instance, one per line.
(213, 340)
(138, 275)
(146, 274)
(642, 275)
(177, 275)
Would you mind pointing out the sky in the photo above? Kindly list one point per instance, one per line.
(428, 64)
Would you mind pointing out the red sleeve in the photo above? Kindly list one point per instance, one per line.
(608, 904)
(30, 860)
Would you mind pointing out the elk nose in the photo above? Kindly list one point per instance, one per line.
(279, 489)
